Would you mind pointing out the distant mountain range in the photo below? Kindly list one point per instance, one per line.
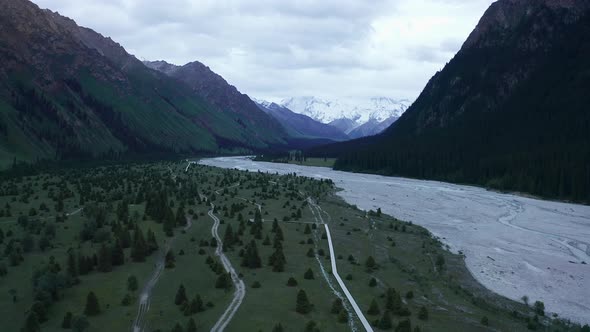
(355, 117)
(509, 111)
(302, 126)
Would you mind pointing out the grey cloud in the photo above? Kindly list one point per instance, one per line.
(280, 48)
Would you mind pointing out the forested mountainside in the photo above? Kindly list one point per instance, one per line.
(68, 92)
(509, 111)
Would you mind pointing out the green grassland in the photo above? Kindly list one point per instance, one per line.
(47, 216)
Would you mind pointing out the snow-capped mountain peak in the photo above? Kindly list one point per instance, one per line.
(360, 111)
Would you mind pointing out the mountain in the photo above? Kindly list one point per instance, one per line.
(69, 92)
(372, 127)
(215, 90)
(509, 111)
(348, 114)
(299, 125)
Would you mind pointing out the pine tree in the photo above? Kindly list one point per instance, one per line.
(423, 313)
(292, 282)
(343, 316)
(152, 244)
(118, 255)
(92, 308)
(385, 322)
(308, 275)
(71, 266)
(191, 326)
(104, 259)
(40, 311)
(372, 282)
(170, 260)
(374, 308)
(370, 264)
(83, 267)
(251, 258)
(177, 328)
(223, 281)
(278, 328)
(180, 216)
(67, 321)
(307, 229)
(197, 305)
(337, 306)
(180, 295)
(31, 323)
(168, 227)
(132, 283)
(303, 306)
(138, 247)
(404, 326)
(228, 237)
(125, 239)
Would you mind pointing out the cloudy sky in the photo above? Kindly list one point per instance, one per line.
(274, 49)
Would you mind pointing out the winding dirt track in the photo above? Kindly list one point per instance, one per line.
(146, 292)
(240, 292)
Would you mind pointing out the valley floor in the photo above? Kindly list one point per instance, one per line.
(176, 246)
(515, 246)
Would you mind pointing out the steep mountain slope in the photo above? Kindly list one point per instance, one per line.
(67, 91)
(299, 125)
(509, 111)
(372, 127)
(215, 90)
(349, 114)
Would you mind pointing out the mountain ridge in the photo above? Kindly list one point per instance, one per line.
(70, 92)
(507, 112)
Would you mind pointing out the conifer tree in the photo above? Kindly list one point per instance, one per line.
(337, 306)
(31, 323)
(132, 283)
(92, 307)
(303, 306)
(138, 247)
(374, 308)
(177, 328)
(104, 259)
(152, 244)
(385, 321)
(251, 258)
(118, 255)
(228, 238)
(423, 313)
(180, 297)
(71, 266)
(170, 260)
(66, 323)
(180, 216)
(191, 326)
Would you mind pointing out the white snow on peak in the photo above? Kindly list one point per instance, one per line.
(261, 102)
(360, 111)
